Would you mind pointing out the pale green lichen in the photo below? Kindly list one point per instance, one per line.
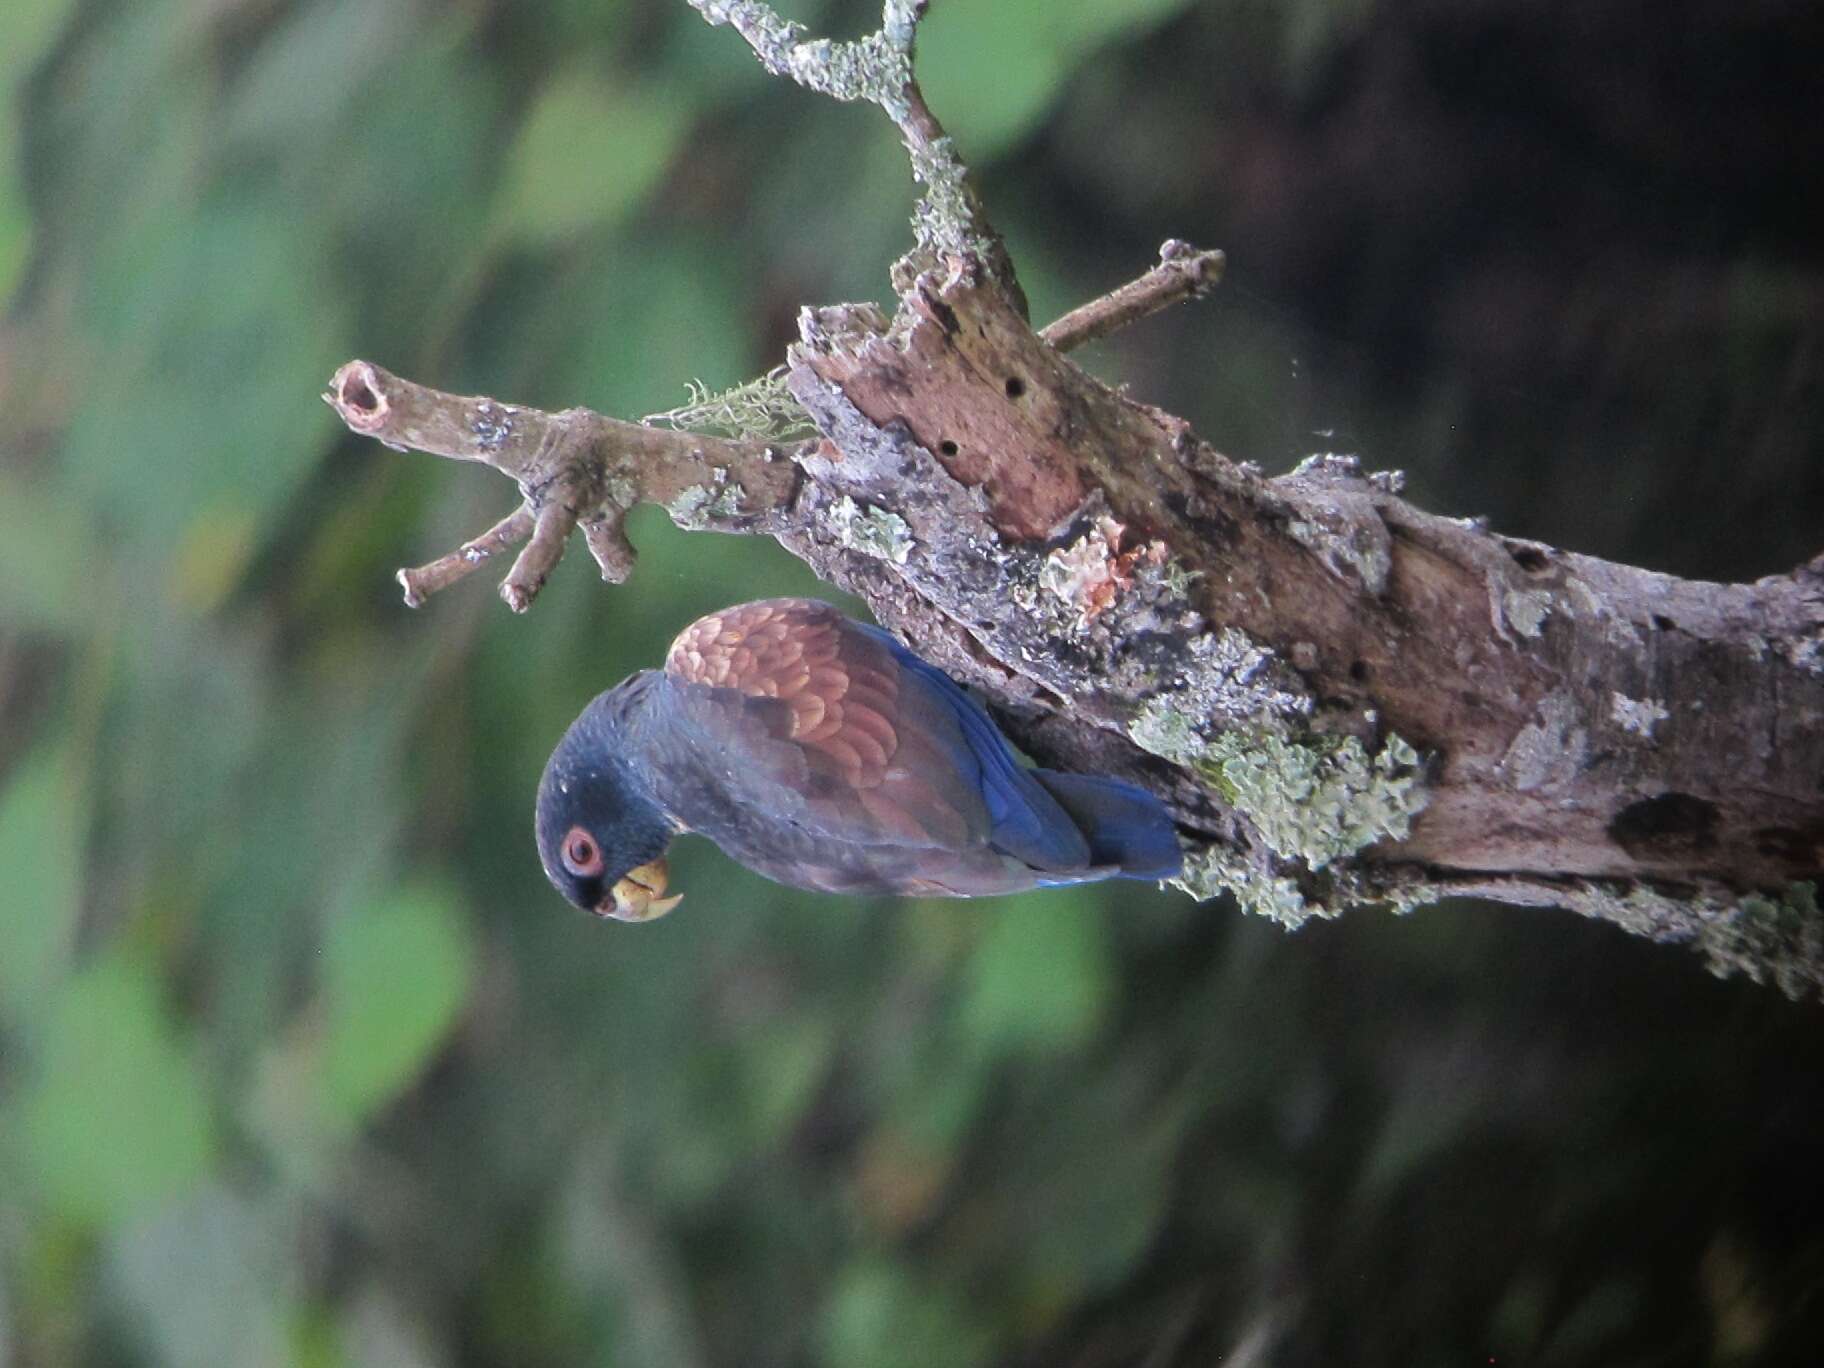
(761, 410)
(1313, 800)
(1549, 751)
(1526, 610)
(1258, 888)
(1176, 579)
(1238, 719)
(1642, 910)
(1637, 715)
(945, 221)
(1167, 730)
(1406, 898)
(1359, 551)
(693, 509)
(876, 67)
(875, 532)
(1229, 680)
(1778, 939)
(1319, 799)
(1807, 653)
(1213, 870)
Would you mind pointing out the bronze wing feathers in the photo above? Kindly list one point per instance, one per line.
(867, 757)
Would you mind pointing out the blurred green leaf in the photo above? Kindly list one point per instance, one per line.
(41, 820)
(208, 1279)
(626, 341)
(1086, 1190)
(588, 153)
(31, 27)
(321, 59)
(395, 975)
(1081, 24)
(783, 1066)
(989, 71)
(209, 326)
(877, 1316)
(15, 215)
(1040, 978)
(379, 1327)
(116, 1117)
(48, 556)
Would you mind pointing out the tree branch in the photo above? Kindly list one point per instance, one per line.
(1183, 272)
(950, 220)
(1344, 699)
(572, 468)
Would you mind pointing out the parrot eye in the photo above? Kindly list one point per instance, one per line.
(582, 856)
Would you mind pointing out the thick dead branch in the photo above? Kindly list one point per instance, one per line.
(1345, 699)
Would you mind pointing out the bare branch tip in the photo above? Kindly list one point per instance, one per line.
(358, 395)
(1184, 272)
(1203, 267)
(607, 541)
(420, 582)
(535, 563)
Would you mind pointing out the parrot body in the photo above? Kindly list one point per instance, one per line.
(821, 753)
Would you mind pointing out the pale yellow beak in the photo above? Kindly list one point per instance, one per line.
(636, 897)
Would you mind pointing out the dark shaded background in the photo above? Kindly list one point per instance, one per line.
(302, 1062)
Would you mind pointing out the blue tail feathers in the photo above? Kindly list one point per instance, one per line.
(1128, 831)
(1126, 827)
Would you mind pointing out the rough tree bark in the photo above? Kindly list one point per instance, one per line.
(1344, 699)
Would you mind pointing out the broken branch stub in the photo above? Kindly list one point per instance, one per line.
(573, 468)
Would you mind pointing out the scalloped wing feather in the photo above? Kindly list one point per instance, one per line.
(816, 710)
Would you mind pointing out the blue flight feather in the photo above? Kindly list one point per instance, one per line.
(1044, 815)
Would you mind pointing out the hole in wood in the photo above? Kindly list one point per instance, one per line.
(356, 395)
(1669, 825)
(1015, 387)
(947, 446)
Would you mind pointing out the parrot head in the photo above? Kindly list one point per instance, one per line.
(601, 838)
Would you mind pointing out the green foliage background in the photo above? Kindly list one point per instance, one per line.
(300, 1059)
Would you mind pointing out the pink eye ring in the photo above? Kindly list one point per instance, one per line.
(582, 856)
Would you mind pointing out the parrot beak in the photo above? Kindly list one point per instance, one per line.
(636, 897)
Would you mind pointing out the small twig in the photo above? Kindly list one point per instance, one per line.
(534, 564)
(1183, 273)
(423, 581)
(876, 67)
(950, 220)
(607, 542)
